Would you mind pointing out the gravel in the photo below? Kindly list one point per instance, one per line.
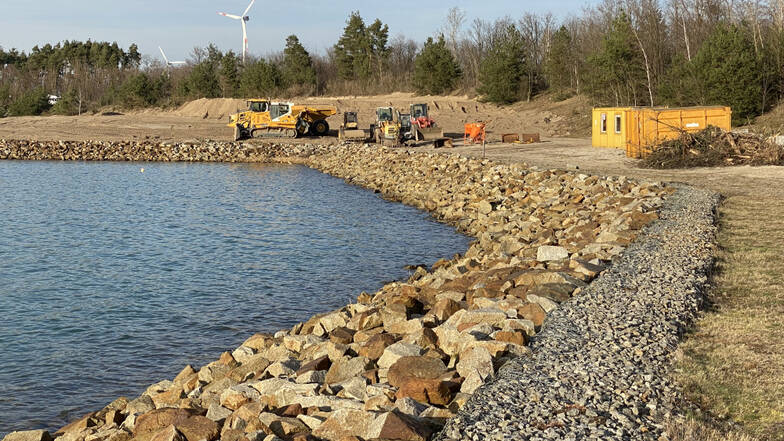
(600, 367)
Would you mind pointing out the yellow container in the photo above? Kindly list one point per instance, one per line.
(639, 129)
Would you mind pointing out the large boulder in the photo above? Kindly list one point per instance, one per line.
(475, 359)
(29, 435)
(193, 427)
(345, 423)
(397, 426)
(415, 367)
(433, 391)
(346, 368)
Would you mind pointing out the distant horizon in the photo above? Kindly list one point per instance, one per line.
(55, 22)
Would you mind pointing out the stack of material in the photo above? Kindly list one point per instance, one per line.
(715, 147)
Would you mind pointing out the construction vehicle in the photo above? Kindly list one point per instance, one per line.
(405, 127)
(349, 130)
(267, 118)
(423, 127)
(387, 129)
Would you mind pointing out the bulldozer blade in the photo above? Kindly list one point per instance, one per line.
(353, 135)
(428, 134)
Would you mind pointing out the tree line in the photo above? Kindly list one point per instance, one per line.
(619, 53)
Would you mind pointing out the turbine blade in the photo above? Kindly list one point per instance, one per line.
(249, 6)
(164, 55)
(236, 17)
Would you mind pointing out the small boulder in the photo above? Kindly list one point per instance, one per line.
(549, 253)
(394, 352)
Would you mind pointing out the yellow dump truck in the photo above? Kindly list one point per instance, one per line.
(280, 119)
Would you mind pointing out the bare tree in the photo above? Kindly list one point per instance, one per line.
(455, 19)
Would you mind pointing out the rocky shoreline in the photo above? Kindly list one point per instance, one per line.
(153, 151)
(452, 346)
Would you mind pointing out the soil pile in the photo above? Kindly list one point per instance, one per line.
(219, 108)
(714, 147)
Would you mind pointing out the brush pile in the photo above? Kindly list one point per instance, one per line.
(714, 147)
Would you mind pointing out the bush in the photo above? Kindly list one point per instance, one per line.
(68, 104)
(5, 99)
(33, 102)
(142, 91)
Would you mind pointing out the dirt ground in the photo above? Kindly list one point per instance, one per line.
(207, 119)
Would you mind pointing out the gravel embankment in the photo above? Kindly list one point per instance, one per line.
(599, 368)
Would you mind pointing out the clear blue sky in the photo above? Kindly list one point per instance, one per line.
(179, 25)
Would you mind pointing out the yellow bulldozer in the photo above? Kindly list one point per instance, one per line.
(280, 119)
(349, 130)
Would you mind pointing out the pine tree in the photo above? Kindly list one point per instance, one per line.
(435, 69)
(616, 73)
(203, 81)
(730, 72)
(560, 63)
(297, 66)
(352, 52)
(230, 75)
(378, 38)
(680, 85)
(361, 51)
(260, 79)
(503, 70)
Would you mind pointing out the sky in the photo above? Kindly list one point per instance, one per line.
(178, 25)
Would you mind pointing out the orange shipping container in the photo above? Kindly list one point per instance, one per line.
(638, 130)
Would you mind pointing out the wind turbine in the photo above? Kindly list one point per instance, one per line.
(242, 18)
(169, 63)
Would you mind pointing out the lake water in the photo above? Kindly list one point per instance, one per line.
(112, 279)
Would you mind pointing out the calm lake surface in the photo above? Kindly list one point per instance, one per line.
(112, 279)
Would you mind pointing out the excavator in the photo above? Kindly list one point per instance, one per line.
(281, 119)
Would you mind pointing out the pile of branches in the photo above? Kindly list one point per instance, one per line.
(714, 147)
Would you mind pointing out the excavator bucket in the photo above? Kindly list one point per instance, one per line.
(427, 134)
